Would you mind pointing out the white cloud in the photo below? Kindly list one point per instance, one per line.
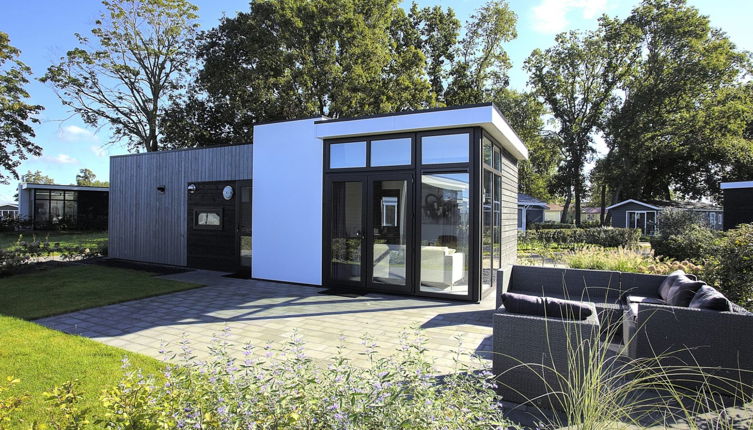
(60, 159)
(550, 16)
(74, 133)
(98, 150)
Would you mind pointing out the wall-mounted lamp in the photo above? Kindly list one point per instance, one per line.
(191, 188)
(161, 188)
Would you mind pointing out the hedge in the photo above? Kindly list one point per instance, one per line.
(605, 236)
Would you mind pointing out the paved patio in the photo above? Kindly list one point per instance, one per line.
(267, 313)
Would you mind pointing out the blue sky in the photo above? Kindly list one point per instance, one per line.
(43, 31)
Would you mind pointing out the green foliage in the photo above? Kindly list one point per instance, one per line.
(576, 79)
(9, 405)
(683, 237)
(64, 411)
(605, 236)
(552, 225)
(732, 266)
(624, 260)
(11, 260)
(17, 116)
(683, 109)
(36, 177)
(124, 75)
(286, 389)
(87, 178)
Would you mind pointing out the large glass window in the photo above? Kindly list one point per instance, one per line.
(55, 207)
(447, 148)
(486, 232)
(347, 232)
(351, 154)
(391, 152)
(390, 244)
(445, 233)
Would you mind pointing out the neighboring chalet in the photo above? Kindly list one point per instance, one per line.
(8, 211)
(644, 214)
(590, 215)
(738, 203)
(530, 211)
(63, 206)
(553, 213)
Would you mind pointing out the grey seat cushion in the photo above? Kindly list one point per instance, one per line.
(545, 306)
(682, 291)
(709, 298)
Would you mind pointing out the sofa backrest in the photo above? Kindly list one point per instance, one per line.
(639, 284)
(575, 284)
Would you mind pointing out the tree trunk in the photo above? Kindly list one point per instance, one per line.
(577, 203)
(603, 215)
(566, 207)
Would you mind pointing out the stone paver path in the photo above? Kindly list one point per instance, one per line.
(267, 313)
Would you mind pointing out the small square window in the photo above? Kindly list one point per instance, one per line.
(207, 219)
(391, 152)
(448, 148)
(343, 155)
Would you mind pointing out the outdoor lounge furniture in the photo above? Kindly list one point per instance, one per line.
(532, 353)
(718, 343)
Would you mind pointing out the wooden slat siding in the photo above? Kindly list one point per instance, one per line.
(509, 210)
(145, 225)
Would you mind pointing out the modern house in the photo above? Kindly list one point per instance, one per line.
(63, 206)
(530, 211)
(553, 213)
(418, 203)
(738, 203)
(8, 211)
(645, 214)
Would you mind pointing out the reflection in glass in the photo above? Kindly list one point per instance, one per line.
(208, 218)
(391, 152)
(444, 233)
(41, 211)
(351, 154)
(57, 210)
(390, 235)
(244, 225)
(497, 232)
(487, 144)
(448, 148)
(347, 231)
(486, 233)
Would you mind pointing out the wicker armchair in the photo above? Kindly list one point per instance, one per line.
(533, 354)
(719, 343)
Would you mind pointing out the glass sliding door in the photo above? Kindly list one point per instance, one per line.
(445, 228)
(346, 231)
(390, 229)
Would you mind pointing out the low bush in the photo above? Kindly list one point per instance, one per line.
(287, 390)
(26, 252)
(625, 260)
(604, 236)
(682, 236)
(548, 225)
(731, 267)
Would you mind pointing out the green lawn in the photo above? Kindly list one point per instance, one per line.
(65, 238)
(66, 289)
(42, 358)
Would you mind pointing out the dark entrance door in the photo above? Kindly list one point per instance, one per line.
(368, 230)
(213, 236)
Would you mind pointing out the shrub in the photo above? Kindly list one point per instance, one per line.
(683, 236)
(549, 225)
(285, 389)
(732, 266)
(604, 236)
(625, 260)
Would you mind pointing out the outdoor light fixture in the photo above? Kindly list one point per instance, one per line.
(161, 188)
(192, 188)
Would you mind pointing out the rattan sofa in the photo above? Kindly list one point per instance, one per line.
(530, 351)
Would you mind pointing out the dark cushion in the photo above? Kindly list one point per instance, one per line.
(709, 298)
(682, 291)
(545, 306)
(524, 304)
(669, 280)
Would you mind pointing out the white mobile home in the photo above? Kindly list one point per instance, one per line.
(392, 203)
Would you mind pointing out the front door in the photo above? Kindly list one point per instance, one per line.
(369, 223)
(212, 237)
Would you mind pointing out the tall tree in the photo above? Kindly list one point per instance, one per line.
(16, 115)
(124, 75)
(524, 112)
(87, 178)
(481, 62)
(576, 78)
(288, 59)
(36, 177)
(680, 123)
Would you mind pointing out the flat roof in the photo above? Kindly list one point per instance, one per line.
(735, 185)
(485, 115)
(25, 186)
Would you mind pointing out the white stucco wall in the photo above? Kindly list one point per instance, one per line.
(287, 202)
